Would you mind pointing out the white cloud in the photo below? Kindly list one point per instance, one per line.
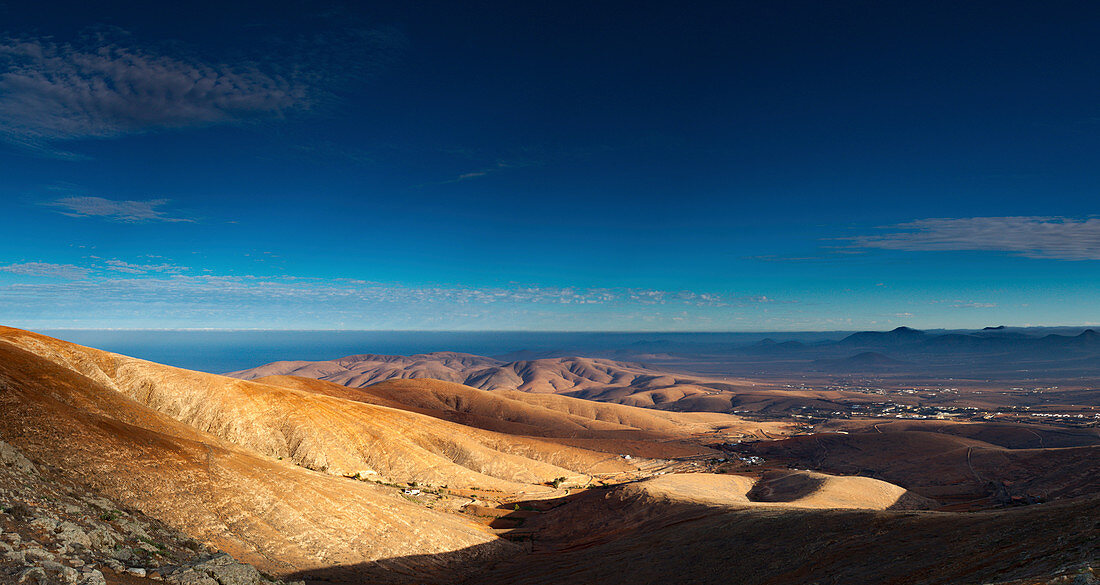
(125, 211)
(128, 268)
(1061, 238)
(107, 292)
(167, 281)
(68, 271)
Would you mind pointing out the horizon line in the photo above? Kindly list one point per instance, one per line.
(552, 331)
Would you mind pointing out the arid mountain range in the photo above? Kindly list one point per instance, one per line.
(993, 352)
(593, 379)
(418, 480)
(656, 387)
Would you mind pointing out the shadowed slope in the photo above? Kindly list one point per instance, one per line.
(666, 539)
(1007, 435)
(689, 529)
(945, 466)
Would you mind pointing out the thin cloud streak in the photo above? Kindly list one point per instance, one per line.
(51, 92)
(128, 268)
(67, 271)
(123, 211)
(165, 282)
(974, 305)
(486, 171)
(1059, 238)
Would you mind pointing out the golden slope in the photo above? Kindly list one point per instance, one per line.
(609, 428)
(787, 489)
(328, 433)
(278, 516)
(521, 412)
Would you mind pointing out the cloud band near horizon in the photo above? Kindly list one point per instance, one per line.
(114, 291)
(1046, 237)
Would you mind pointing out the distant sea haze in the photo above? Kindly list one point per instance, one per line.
(222, 351)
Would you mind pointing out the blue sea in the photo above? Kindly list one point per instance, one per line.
(221, 351)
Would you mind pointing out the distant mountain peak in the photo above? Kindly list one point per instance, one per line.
(899, 335)
(991, 328)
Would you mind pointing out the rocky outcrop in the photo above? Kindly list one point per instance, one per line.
(1083, 574)
(221, 569)
(54, 532)
(10, 457)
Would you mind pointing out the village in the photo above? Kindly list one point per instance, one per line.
(935, 403)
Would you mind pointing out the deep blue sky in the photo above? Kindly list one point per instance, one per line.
(569, 166)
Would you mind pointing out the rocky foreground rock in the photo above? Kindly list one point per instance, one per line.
(53, 531)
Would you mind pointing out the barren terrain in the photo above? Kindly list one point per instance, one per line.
(418, 480)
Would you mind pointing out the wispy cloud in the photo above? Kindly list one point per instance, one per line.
(51, 91)
(124, 211)
(128, 268)
(111, 292)
(1060, 238)
(67, 271)
(778, 258)
(961, 304)
(489, 170)
(695, 299)
(171, 281)
(98, 270)
(108, 85)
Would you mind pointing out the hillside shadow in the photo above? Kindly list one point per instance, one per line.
(511, 522)
(468, 565)
(768, 547)
(781, 486)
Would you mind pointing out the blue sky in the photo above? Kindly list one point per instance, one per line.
(574, 166)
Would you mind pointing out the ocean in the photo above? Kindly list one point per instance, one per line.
(220, 351)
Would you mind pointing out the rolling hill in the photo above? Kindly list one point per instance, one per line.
(950, 466)
(592, 379)
(274, 514)
(674, 534)
(260, 469)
